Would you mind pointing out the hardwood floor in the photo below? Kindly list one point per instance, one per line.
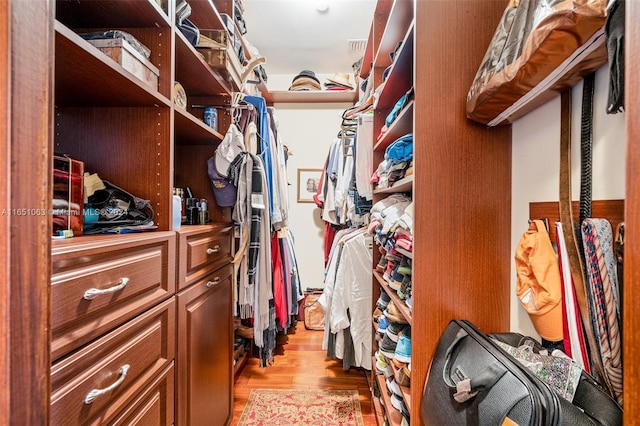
(301, 363)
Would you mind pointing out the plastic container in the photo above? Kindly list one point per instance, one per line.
(177, 212)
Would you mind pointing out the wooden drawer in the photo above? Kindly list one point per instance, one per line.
(121, 363)
(201, 250)
(146, 262)
(155, 406)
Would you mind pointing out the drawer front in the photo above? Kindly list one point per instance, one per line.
(155, 406)
(204, 252)
(96, 288)
(96, 383)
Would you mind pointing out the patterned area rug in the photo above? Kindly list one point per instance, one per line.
(297, 407)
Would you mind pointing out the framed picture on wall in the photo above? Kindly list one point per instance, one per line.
(308, 181)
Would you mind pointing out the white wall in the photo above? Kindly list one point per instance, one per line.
(536, 162)
(308, 131)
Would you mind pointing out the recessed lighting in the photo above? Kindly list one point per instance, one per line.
(322, 6)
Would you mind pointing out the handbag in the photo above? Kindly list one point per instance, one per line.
(473, 381)
(313, 313)
(539, 48)
(589, 395)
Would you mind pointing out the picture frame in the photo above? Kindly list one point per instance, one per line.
(308, 181)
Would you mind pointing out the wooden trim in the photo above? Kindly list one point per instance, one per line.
(5, 251)
(613, 210)
(30, 153)
(631, 301)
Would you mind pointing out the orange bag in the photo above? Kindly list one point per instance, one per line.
(540, 48)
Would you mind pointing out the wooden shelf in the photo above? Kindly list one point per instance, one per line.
(402, 125)
(400, 77)
(399, 20)
(402, 307)
(112, 14)
(320, 96)
(393, 415)
(406, 390)
(84, 76)
(378, 410)
(205, 15)
(189, 130)
(403, 185)
(380, 17)
(194, 74)
(240, 363)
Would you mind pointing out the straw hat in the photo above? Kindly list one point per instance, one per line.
(341, 79)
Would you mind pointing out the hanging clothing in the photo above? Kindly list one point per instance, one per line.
(346, 298)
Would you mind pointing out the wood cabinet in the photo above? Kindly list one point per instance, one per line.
(461, 183)
(110, 300)
(205, 351)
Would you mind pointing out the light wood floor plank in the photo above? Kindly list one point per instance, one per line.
(300, 363)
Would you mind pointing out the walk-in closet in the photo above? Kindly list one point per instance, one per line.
(354, 212)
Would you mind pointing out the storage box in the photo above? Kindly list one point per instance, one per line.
(68, 195)
(131, 60)
(221, 56)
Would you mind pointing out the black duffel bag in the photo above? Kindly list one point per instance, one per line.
(473, 381)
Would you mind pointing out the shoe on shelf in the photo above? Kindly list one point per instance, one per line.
(383, 366)
(387, 347)
(394, 388)
(405, 266)
(394, 329)
(393, 313)
(403, 348)
(383, 324)
(405, 288)
(383, 300)
(382, 264)
(402, 375)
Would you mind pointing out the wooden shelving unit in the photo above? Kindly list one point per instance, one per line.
(323, 96)
(439, 61)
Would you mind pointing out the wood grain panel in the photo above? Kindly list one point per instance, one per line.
(28, 107)
(631, 320)
(612, 210)
(138, 162)
(462, 184)
(205, 351)
(5, 220)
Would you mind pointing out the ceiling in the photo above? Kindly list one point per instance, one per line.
(296, 35)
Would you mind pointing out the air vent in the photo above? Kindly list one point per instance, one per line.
(357, 45)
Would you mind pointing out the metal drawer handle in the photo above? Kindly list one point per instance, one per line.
(213, 250)
(93, 394)
(93, 292)
(215, 281)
